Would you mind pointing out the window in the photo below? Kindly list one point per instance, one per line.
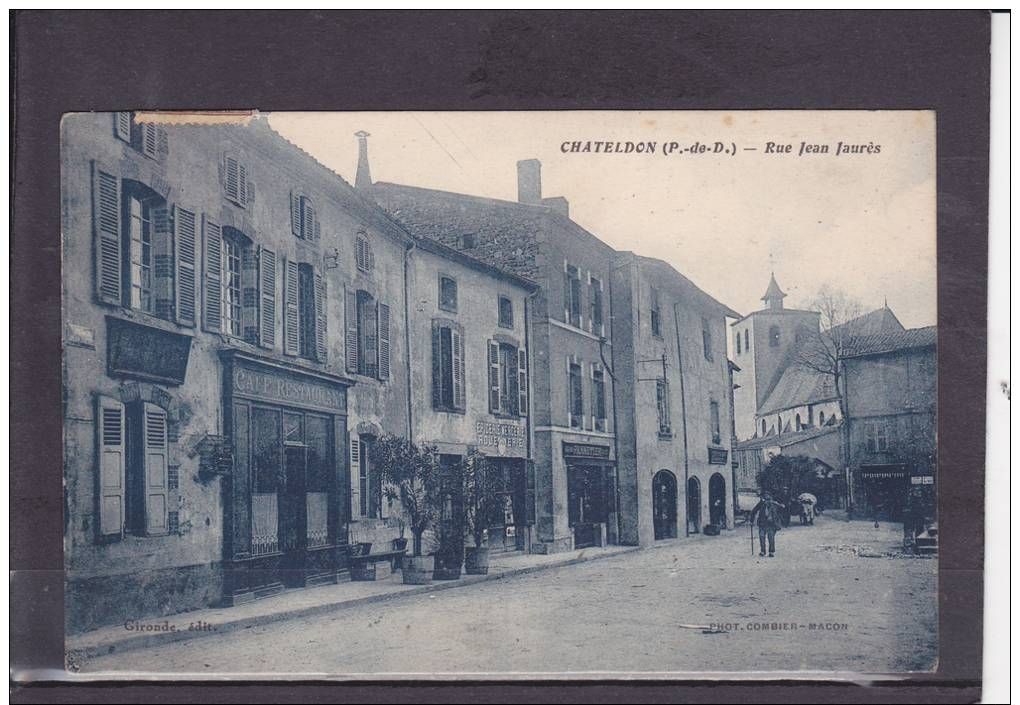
(747, 339)
(713, 408)
(656, 314)
(368, 335)
(139, 227)
(576, 396)
(467, 241)
(133, 467)
(508, 382)
(821, 418)
(369, 484)
(236, 186)
(571, 295)
(506, 312)
(662, 405)
(448, 294)
(304, 221)
(797, 422)
(706, 338)
(307, 340)
(149, 139)
(811, 416)
(232, 302)
(598, 393)
(447, 367)
(597, 325)
(877, 437)
(738, 343)
(774, 337)
(763, 431)
(363, 253)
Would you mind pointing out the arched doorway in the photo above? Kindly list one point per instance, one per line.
(664, 505)
(717, 500)
(693, 505)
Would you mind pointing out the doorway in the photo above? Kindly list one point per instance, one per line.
(717, 500)
(586, 505)
(664, 505)
(694, 505)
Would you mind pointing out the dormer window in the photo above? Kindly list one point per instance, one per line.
(236, 185)
(146, 137)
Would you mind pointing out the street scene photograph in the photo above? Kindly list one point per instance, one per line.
(554, 395)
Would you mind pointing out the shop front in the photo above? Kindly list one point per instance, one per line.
(590, 491)
(285, 504)
(885, 489)
(509, 478)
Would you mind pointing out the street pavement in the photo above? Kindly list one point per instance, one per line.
(839, 596)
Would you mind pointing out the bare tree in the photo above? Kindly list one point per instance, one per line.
(821, 348)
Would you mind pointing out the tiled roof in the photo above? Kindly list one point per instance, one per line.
(881, 320)
(786, 439)
(798, 386)
(882, 343)
(507, 233)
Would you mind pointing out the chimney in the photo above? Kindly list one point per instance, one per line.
(558, 204)
(364, 177)
(529, 181)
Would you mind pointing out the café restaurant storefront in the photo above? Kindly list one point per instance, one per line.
(285, 506)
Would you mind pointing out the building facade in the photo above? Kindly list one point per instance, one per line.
(891, 392)
(674, 419)
(212, 371)
(470, 377)
(569, 332)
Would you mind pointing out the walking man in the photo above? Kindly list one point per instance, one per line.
(766, 515)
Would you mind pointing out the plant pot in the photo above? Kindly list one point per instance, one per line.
(399, 544)
(418, 570)
(476, 560)
(447, 571)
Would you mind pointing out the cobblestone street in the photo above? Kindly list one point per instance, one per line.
(837, 597)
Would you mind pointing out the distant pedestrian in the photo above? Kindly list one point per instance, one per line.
(767, 516)
(807, 507)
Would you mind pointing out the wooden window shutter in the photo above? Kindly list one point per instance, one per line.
(163, 261)
(351, 322)
(291, 311)
(321, 350)
(295, 214)
(369, 329)
(355, 475)
(155, 466)
(111, 449)
(437, 366)
(242, 184)
(267, 298)
(494, 377)
(185, 244)
(251, 323)
(384, 341)
(150, 140)
(231, 178)
(162, 141)
(457, 363)
(522, 381)
(106, 192)
(212, 265)
(122, 126)
(566, 292)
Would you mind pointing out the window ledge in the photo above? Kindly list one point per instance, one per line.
(665, 435)
(449, 410)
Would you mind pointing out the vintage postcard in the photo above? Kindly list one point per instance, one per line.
(500, 394)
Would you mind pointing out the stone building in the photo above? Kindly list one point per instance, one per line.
(674, 412)
(225, 336)
(572, 412)
(468, 337)
(891, 392)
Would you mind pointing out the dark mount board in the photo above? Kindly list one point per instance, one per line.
(113, 60)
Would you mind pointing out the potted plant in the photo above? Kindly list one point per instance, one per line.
(480, 504)
(412, 476)
(400, 543)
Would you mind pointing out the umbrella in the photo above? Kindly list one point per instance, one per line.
(807, 497)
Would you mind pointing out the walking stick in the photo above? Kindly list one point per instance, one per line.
(751, 523)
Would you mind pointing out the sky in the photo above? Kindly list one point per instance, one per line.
(860, 222)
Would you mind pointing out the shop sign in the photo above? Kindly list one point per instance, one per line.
(922, 480)
(145, 352)
(506, 436)
(717, 456)
(585, 450)
(266, 386)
